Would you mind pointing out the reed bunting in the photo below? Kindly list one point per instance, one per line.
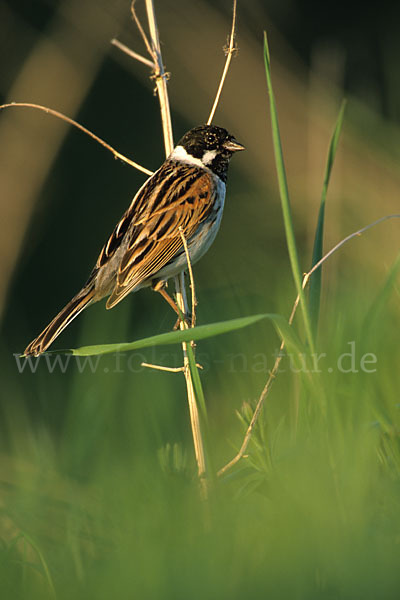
(186, 195)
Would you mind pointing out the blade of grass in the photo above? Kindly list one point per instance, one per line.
(200, 399)
(285, 201)
(198, 388)
(172, 337)
(196, 333)
(315, 283)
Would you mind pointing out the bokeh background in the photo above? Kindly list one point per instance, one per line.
(82, 452)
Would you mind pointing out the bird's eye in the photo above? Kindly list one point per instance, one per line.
(211, 139)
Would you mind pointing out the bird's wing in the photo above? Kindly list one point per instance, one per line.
(152, 224)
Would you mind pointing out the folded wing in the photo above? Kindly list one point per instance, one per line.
(182, 200)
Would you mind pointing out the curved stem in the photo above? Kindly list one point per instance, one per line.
(229, 53)
(59, 115)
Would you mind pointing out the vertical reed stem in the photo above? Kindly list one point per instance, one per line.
(181, 298)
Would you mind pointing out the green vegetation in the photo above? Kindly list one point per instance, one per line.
(99, 494)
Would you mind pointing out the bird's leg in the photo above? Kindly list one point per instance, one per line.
(159, 287)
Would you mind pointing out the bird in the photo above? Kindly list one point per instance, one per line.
(186, 195)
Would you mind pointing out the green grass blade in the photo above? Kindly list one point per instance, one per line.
(284, 195)
(198, 388)
(196, 333)
(315, 282)
(172, 337)
(201, 403)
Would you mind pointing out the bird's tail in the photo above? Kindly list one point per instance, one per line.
(60, 322)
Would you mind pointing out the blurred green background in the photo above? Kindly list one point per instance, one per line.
(98, 494)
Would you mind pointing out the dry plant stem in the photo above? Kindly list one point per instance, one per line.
(161, 79)
(169, 369)
(333, 250)
(132, 54)
(256, 414)
(161, 368)
(143, 34)
(193, 409)
(59, 115)
(275, 368)
(229, 53)
(161, 84)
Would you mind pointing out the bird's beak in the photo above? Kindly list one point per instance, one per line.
(232, 145)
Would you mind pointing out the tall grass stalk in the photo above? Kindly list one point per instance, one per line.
(285, 201)
(315, 283)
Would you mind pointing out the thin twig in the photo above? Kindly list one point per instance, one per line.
(275, 368)
(332, 251)
(149, 47)
(132, 53)
(59, 115)
(347, 239)
(191, 278)
(169, 369)
(256, 414)
(161, 368)
(229, 53)
(161, 83)
(160, 77)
